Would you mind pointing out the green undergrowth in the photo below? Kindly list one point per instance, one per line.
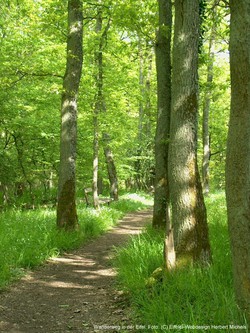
(189, 298)
(30, 237)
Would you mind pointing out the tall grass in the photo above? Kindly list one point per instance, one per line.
(30, 237)
(200, 298)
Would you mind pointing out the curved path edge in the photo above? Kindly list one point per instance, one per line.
(74, 292)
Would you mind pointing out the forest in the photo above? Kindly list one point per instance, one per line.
(111, 107)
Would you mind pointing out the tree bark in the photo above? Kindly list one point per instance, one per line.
(95, 158)
(163, 66)
(97, 110)
(101, 107)
(112, 174)
(142, 164)
(238, 152)
(66, 208)
(188, 208)
(205, 128)
(206, 110)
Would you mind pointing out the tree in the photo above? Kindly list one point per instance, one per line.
(188, 208)
(238, 152)
(100, 109)
(206, 110)
(66, 209)
(214, 80)
(161, 216)
(144, 138)
(97, 109)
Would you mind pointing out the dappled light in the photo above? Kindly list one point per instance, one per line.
(78, 284)
(117, 115)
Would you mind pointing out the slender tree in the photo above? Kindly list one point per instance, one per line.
(145, 51)
(207, 101)
(188, 208)
(163, 68)
(100, 107)
(109, 158)
(66, 209)
(238, 151)
(112, 174)
(97, 108)
(205, 122)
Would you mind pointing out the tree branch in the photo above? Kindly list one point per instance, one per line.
(25, 74)
(40, 74)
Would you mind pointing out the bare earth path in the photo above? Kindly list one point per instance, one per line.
(74, 293)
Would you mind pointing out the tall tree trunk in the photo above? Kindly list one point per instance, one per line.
(188, 208)
(238, 152)
(97, 110)
(148, 104)
(161, 217)
(95, 158)
(101, 107)
(206, 111)
(138, 162)
(66, 208)
(142, 167)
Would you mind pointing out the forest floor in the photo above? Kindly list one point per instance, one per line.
(75, 292)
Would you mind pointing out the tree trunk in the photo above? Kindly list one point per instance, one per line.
(112, 174)
(142, 164)
(95, 158)
(66, 208)
(148, 104)
(101, 107)
(206, 112)
(20, 150)
(188, 208)
(97, 110)
(238, 152)
(163, 66)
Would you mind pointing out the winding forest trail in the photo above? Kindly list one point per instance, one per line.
(72, 293)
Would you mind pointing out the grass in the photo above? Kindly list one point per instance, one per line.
(28, 238)
(187, 296)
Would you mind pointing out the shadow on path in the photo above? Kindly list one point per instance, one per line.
(73, 293)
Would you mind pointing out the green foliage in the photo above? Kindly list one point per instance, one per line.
(187, 295)
(216, 27)
(33, 55)
(28, 238)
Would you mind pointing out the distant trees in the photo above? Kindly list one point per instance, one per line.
(66, 205)
(32, 41)
(238, 152)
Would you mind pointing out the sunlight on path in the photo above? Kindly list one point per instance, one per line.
(73, 293)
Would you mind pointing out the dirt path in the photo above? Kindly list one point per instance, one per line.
(73, 293)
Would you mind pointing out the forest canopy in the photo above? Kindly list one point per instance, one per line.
(33, 58)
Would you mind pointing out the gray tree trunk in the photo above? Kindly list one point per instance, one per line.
(188, 208)
(206, 109)
(143, 179)
(66, 208)
(95, 158)
(112, 174)
(205, 123)
(97, 110)
(238, 152)
(101, 107)
(163, 66)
